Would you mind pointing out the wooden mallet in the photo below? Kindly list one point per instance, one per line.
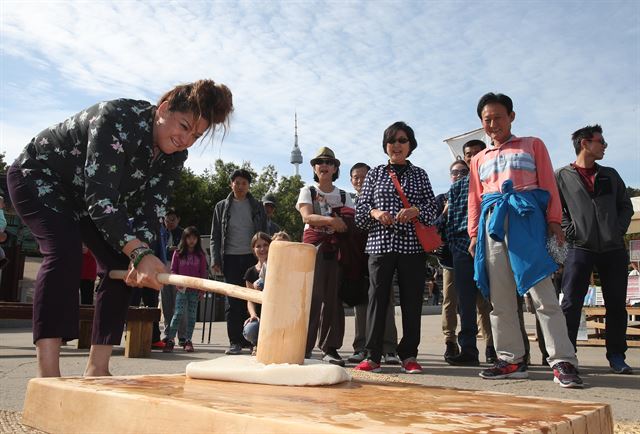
(286, 300)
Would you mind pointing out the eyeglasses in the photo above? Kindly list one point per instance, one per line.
(602, 141)
(325, 161)
(401, 140)
(461, 172)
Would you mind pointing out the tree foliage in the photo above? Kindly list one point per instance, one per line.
(195, 196)
(633, 192)
(3, 163)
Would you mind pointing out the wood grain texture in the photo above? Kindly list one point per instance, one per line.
(284, 319)
(173, 403)
(202, 284)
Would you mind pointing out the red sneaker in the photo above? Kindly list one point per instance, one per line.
(411, 366)
(157, 345)
(368, 366)
(188, 347)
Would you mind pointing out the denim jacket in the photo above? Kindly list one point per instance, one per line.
(527, 229)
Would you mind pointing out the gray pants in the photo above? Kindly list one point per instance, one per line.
(390, 339)
(168, 306)
(505, 324)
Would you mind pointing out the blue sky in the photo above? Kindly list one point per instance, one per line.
(348, 68)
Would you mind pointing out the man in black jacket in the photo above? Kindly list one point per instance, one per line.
(235, 220)
(596, 214)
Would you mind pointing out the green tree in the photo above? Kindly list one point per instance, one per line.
(192, 201)
(3, 164)
(195, 196)
(287, 216)
(633, 192)
(265, 182)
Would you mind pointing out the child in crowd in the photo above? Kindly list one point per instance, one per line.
(188, 260)
(3, 236)
(254, 279)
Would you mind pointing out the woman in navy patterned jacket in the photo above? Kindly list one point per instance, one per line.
(79, 181)
(392, 244)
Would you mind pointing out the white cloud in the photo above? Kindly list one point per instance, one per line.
(349, 69)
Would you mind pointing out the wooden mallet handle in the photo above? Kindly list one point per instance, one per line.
(286, 300)
(202, 284)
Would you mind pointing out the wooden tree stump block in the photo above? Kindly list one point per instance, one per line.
(173, 403)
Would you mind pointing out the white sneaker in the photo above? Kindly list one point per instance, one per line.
(391, 359)
(333, 357)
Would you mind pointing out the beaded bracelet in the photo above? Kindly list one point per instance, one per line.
(141, 255)
(134, 253)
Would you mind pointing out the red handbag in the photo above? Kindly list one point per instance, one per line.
(427, 235)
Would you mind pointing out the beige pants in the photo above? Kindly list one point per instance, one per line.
(449, 306)
(505, 324)
(450, 311)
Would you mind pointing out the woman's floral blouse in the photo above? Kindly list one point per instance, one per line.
(99, 163)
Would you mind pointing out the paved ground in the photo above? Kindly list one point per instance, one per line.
(17, 366)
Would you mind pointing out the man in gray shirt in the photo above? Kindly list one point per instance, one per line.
(235, 220)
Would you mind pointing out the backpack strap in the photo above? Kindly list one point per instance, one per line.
(343, 197)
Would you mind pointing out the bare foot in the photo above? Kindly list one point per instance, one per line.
(94, 372)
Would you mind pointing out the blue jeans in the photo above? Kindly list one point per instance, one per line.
(250, 332)
(186, 302)
(467, 301)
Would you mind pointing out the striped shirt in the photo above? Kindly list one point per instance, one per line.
(378, 192)
(523, 160)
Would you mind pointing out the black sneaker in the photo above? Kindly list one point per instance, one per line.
(502, 369)
(463, 359)
(234, 350)
(452, 350)
(618, 365)
(566, 375)
(168, 346)
(490, 354)
(333, 357)
(357, 357)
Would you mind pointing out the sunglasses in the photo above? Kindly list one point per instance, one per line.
(601, 141)
(327, 161)
(456, 172)
(401, 140)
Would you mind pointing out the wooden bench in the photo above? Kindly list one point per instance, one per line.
(139, 325)
(595, 316)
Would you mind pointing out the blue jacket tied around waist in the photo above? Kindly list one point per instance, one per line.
(527, 231)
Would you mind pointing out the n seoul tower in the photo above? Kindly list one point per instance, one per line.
(296, 155)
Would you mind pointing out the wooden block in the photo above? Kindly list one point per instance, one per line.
(286, 303)
(84, 337)
(173, 403)
(594, 340)
(138, 339)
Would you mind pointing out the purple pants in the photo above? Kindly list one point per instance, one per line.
(55, 299)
